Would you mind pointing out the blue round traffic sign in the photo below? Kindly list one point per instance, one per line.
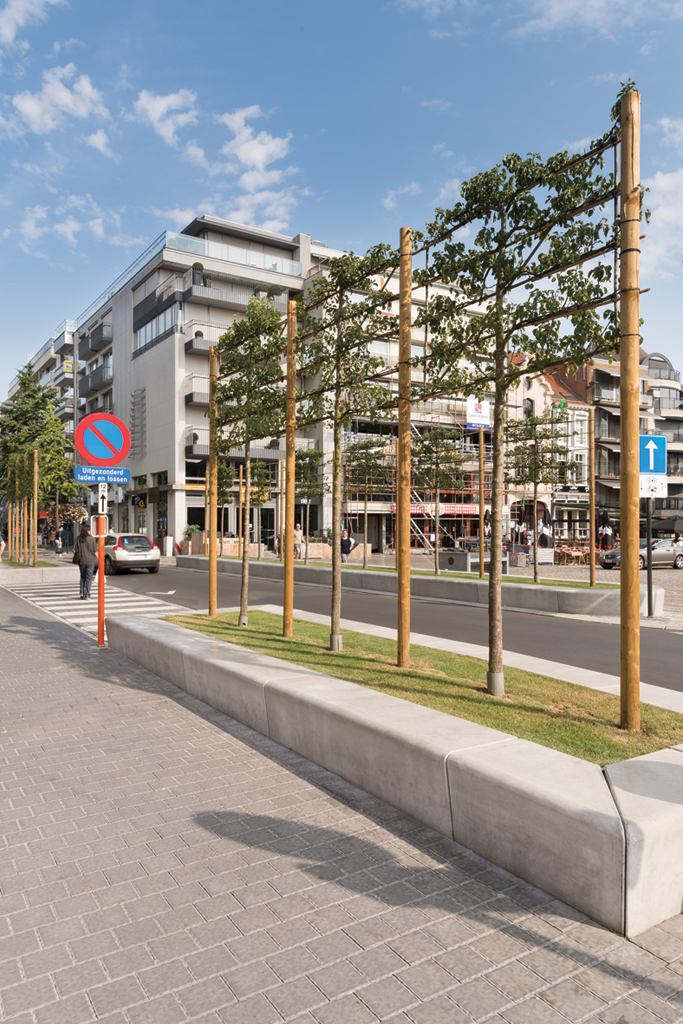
(102, 439)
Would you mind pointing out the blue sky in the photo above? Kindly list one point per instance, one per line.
(342, 120)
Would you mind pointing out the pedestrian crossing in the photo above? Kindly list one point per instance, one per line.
(62, 600)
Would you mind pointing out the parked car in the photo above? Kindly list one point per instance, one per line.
(130, 551)
(664, 553)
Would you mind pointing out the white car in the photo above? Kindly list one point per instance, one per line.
(130, 551)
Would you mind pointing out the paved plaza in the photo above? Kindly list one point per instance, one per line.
(161, 863)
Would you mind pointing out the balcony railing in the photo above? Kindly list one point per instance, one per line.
(663, 374)
(95, 381)
(99, 337)
(672, 404)
(209, 335)
(203, 284)
(197, 389)
(232, 254)
(603, 394)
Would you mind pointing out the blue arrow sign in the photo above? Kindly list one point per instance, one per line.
(653, 454)
(102, 475)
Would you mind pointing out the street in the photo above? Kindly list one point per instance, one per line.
(587, 645)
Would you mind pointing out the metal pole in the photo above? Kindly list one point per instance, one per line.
(100, 580)
(591, 493)
(213, 485)
(649, 502)
(10, 503)
(403, 448)
(206, 509)
(630, 387)
(240, 511)
(282, 509)
(481, 503)
(35, 507)
(290, 463)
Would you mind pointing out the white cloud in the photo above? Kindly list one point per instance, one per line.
(673, 132)
(99, 140)
(440, 150)
(273, 209)
(440, 106)
(603, 16)
(32, 227)
(64, 44)
(166, 114)
(68, 229)
(17, 13)
(252, 150)
(46, 110)
(449, 191)
(431, 8)
(662, 248)
(389, 201)
(176, 215)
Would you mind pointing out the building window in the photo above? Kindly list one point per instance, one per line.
(140, 482)
(162, 324)
(674, 464)
(528, 408)
(160, 479)
(107, 403)
(580, 468)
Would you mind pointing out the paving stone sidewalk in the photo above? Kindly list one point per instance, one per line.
(160, 863)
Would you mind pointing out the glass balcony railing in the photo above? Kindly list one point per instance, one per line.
(232, 254)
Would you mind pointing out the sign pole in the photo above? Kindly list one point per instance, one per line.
(629, 289)
(35, 507)
(649, 502)
(240, 513)
(481, 503)
(282, 508)
(403, 459)
(591, 493)
(290, 470)
(213, 481)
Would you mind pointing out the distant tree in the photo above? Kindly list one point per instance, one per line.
(310, 482)
(261, 485)
(536, 454)
(226, 482)
(368, 471)
(438, 459)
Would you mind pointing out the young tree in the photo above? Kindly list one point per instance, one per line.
(529, 285)
(437, 466)
(342, 316)
(537, 454)
(310, 482)
(261, 485)
(368, 471)
(56, 465)
(226, 482)
(250, 398)
(24, 421)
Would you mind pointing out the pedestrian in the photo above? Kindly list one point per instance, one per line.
(85, 557)
(298, 540)
(2, 546)
(58, 544)
(347, 545)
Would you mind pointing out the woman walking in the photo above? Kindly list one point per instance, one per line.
(85, 557)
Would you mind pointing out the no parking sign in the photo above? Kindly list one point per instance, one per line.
(102, 439)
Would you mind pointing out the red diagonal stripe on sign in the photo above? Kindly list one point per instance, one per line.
(103, 439)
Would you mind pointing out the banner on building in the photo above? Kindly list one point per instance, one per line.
(478, 413)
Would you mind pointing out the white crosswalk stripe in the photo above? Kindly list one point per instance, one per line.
(63, 601)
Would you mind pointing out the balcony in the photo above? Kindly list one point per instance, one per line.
(65, 407)
(603, 394)
(100, 378)
(98, 338)
(63, 373)
(196, 441)
(645, 399)
(232, 254)
(197, 389)
(669, 406)
(663, 374)
(209, 335)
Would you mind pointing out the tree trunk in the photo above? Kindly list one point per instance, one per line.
(335, 624)
(437, 492)
(365, 530)
(308, 528)
(495, 679)
(57, 512)
(258, 527)
(244, 592)
(535, 534)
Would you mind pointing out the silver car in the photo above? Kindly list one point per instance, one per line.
(130, 551)
(664, 553)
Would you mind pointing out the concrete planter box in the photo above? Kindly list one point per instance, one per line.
(606, 842)
(516, 596)
(58, 574)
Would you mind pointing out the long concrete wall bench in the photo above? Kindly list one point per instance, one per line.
(516, 596)
(607, 843)
(39, 574)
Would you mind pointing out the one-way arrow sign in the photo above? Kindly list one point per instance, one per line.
(653, 454)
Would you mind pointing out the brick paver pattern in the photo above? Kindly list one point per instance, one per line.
(160, 862)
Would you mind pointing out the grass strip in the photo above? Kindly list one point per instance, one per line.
(6, 563)
(564, 716)
(578, 584)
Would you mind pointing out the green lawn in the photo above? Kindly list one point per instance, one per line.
(564, 716)
(579, 584)
(23, 565)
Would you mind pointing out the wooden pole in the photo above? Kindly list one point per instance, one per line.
(282, 509)
(403, 453)
(240, 511)
(591, 493)
(10, 513)
(25, 534)
(481, 503)
(35, 507)
(213, 486)
(24, 529)
(290, 469)
(630, 412)
(206, 509)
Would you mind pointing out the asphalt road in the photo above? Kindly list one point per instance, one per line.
(584, 644)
